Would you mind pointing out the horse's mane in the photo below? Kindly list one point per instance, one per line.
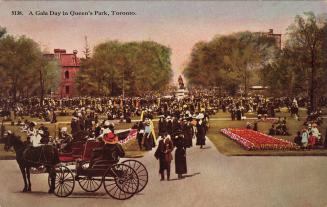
(17, 140)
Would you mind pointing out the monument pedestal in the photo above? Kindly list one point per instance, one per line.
(181, 93)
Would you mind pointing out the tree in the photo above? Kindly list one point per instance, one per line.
(305, 43)
(24, 71)
(19, 57)
(49, 77)
(226, 61)
(3, 31)
(125, 68)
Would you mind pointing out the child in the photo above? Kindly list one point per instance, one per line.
(311, 141)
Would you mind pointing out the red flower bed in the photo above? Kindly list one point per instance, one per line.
(253, 140)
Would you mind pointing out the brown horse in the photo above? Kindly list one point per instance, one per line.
(28, 157)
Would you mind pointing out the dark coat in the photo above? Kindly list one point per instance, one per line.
(112, 152)
(180, 156)
(163, 154)
(162, 127)
(200, 135)
(169, 127)
(188, 134)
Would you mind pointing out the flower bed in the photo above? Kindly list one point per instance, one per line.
(253, 140)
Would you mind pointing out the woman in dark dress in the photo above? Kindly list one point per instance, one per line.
(162, 125)
(180, 156)
(169, 126)
(188, 133)
(200, 134)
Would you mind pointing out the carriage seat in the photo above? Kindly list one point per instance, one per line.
(103, 164)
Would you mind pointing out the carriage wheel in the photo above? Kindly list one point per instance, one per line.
(141, 171)
(120, 181)
(89, 184)
(65, 181)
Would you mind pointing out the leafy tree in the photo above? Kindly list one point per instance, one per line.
(18, 59)
(227, 61)
(125, 68)
(23, 69)
(301, 67)
(306, 43)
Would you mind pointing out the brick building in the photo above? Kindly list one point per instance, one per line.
(69, 65)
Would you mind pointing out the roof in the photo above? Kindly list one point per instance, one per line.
(69, 60)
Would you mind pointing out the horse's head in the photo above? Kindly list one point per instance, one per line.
(9, 140)
(6, 140)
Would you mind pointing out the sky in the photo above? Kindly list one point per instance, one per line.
(177, 24)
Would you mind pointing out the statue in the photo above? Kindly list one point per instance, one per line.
(180, 82)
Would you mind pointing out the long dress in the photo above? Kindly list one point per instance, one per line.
(188, 134)
(200, 135)
(180, 156)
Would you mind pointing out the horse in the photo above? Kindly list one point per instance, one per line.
(27, 157)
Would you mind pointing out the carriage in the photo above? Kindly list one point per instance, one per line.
(120, 180)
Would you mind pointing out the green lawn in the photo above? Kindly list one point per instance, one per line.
(223, 144)
(229, 147)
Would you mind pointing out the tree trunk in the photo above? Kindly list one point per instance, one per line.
(41, 87)
(313, 104)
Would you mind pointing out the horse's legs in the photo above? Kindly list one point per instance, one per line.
(22, 170)
(29, 179)
(52, 175)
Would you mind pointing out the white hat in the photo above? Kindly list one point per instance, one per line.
(107, 123)
(64, 129)
(106, 131)
(200, 116)
(9, 132)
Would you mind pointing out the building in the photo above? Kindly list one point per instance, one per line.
(69, 65)
(277, 37)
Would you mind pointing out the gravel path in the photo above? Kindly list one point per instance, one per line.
(213, 180)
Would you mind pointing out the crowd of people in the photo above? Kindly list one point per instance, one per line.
(180, 121)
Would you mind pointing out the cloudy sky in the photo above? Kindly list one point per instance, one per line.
(177, 24)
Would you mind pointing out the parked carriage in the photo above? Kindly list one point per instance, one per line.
(120, 180)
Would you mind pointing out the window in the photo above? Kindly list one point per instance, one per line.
(66, 75)
(67, 89)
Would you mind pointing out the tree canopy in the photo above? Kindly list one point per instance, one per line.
(21, 59)
(227, 61)
(301, 68)
(132, 68)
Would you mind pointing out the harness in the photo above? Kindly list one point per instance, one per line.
(41, 159)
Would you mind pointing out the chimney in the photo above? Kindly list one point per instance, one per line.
(271, 31)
